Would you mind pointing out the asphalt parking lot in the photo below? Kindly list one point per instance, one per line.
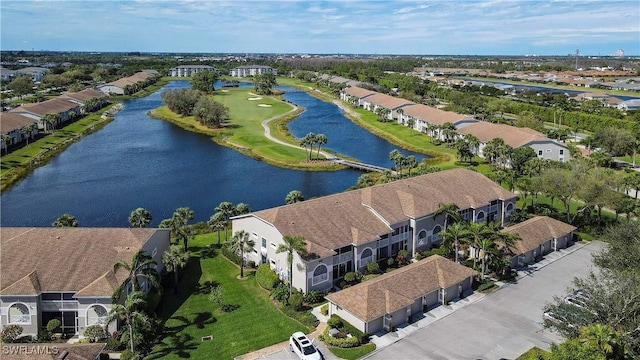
(285, 354)
(502, 325)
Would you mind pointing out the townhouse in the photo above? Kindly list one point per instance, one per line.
(11, 124)
(346, 231)
(65, 109)
(189, 70)
(68, 273)
(516, 137)
(86, 96)
(423, 116)
(131, 84)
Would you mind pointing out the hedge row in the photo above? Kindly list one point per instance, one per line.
(357, 337)
(266, 277)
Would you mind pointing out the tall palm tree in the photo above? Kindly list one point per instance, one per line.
(398, 159)
(131, 313)
(175, 259)
(228, 210)
(294, 196)
(474, 143)
(241, 209)
(66, 220)
(218, 223)
(450, 212)
(27, 131)
(292, 244)
(603, 338)
(141, 266)
(241, 243)
(5, 141)
(487, 248)
(180, 220)
(49, 119)
(410, 162)
(454, 235)
(140, 218)
(477, 232)
(321, 139)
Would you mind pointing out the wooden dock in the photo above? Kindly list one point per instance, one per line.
(361, 166)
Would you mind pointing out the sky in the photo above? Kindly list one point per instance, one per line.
(442, 27)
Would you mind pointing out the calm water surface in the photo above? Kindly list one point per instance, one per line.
(136, 161)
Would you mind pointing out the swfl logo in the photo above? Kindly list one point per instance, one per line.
(29, 350)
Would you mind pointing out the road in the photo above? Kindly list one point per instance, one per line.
(503, 325)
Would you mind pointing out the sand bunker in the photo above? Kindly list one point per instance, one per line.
(224, 90)
(264, 105)
(254, 98)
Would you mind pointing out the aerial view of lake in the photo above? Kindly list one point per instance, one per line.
(136, 161)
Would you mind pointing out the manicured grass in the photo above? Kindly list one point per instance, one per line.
(190, 315)
(352, 353)
(19, 162)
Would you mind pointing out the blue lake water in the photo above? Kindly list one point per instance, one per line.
(136, 161)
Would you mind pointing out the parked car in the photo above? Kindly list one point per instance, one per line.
(300, 344)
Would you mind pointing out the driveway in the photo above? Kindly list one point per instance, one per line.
(502, 325)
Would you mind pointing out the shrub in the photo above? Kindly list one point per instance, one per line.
(126, 355)
(334, 322)
(390, 262)
(280, 292)
(418, 256)
(296, 301)
(251, 264)
(324, 310)
(11, 333)
(229, 307)
(350, 277)
(95, 333)
(485, 286)
(314, 296)
(233, 257)
(113, 344)
(53, 324)
(44, 336)
(373, 267)
(266, 277)
(369, 277)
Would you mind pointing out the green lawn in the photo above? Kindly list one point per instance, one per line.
(534, 353)
(257, 322)
(352, 353)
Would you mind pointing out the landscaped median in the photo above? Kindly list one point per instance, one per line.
(245, 132)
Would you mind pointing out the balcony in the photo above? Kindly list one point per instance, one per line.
(364, 261)
(343, 257)
(319, 279)
(400, 237)
(101, 320)
(48, 305)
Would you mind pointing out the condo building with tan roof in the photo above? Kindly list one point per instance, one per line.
(68, 273)
(346, 231)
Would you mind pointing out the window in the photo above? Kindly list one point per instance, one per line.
(366, 256)
(273, 245)
(264, 242)
(319, 275)
(154, 252)
(254, 235)
(561, 151)
(539, 152)
(466, 214)
(480, 217)
(509, 208)
(422, 238)
(548, 150)
(19, 314)
(97, 315)
(436, 233)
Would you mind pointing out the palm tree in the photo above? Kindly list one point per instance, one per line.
(180, 219)
(450, 212)
(477, 232)
(175, 259)
(141, 266)
(292, 244)
(604, 338)
(241, 209)
(66, 220)
(487, 248)
(410, 162)
(218, 222)
(131, 313)
(228, 210)
(241, 243)
(474, 143)
(454, 235)
(140, 218)
(5, 141)
(27, 131)
(321, 139)
(294, 196)
(398, 159)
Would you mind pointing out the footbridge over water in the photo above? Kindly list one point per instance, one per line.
(361, 166)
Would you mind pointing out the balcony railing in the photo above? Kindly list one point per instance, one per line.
(400, 237)
(102, 320)
(365, 260)
(343, 257)
(49, 305)
(319, 279)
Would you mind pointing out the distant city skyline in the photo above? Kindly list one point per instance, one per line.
(438, 27)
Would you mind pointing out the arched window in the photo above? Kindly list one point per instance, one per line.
(509, 208)
(97, 315)
(319, 274)
(422, 238)
(480, 216)
(19, 314)
(366, 256)
(436, 233)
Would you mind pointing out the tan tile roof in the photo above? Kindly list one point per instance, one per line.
(359, 92)
(433, 115)
(53, 351)
(360, 216)
(388, 101)
(65, 259)
(84, 95)
(513, 136)
(13, 121)
(52, 106)
(393, 291)
(537, 230)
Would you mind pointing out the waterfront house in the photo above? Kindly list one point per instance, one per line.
(539, 236)
(64, 109)
(355, 95)
(189, 70)
(68, 273)
(393, 104)
(392, 298)
(346, 231)
(11, 124)
(81, 97)
(424, 115)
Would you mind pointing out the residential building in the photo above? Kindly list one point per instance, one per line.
(346, 231)
(65, 110)
(11, 124)
(355, 95)
(393, 104)
(189, 70)
(516, 137)
(633, 104)
(392, 298)
(129, 85)
(539, 236)
(424, 115)
(81, 97)
(252, 70)
(68, 273)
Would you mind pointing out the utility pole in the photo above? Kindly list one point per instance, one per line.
(577, 53)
